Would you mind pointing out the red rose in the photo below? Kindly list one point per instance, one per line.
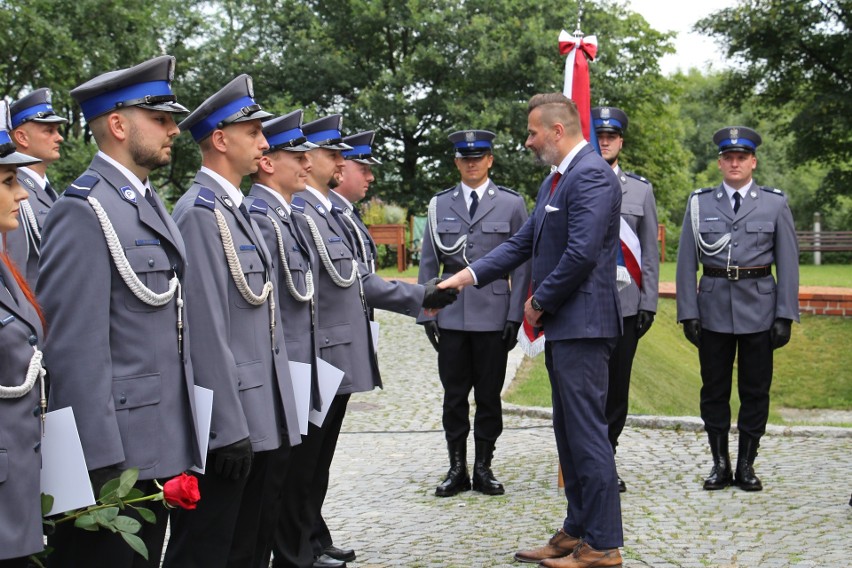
(182, 491)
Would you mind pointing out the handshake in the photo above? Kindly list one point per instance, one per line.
(438, 297)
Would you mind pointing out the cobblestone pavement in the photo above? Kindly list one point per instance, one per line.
(392, 454)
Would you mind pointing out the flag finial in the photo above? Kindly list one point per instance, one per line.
(577, 32)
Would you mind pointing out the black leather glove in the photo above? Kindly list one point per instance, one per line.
(779, 333)
(232, 461)
(432, 333)
(435, 299)
(644, 319)
(692, 331)
(510, 334)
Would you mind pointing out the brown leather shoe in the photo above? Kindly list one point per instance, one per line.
(584, 556)
(560, 544)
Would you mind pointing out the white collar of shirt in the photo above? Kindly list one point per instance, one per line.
(480, 191)
(616, 170)
(323, 199)
(566, 161)
(234, 193)
(731, 191)
(41, 181)
(139, 185)
(278, 196)
(346, 202)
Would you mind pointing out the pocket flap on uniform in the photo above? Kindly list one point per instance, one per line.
(133, 392)
(338, 250)
(149, 258)
(340, 334)
(250, 260)
(766, 285)
(249, 375)
(760, 227)
(712, 227)
(295, 261)
(495, 227)
(500, 286)
(4, 465)
(449, 228)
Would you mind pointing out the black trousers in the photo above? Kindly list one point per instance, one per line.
(204, 537)
(753, 352)
(472, 360)
(75, 547)
(620, 368)
(304, 490)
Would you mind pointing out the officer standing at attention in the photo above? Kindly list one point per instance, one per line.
(111, 273)
(735, 232)
(240, 352)
(21, 378)
(473, 336)
(639, 297)
(36, 133)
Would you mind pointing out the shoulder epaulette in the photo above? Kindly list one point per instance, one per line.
(507, 190)
(449, 189)
(774, 190)
(81, 186)
(298, 204)
(703, 190)
(258, 206)
(637, 176)
(205, 198)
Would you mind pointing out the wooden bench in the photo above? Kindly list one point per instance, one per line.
(824, 241)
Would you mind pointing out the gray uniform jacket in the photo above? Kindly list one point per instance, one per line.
(344, 338)
(501, 212)
(20, 426)
(392, 295)
(762, 233)
(639, 210)
(234, 354)
(23, 244)
(113, 358)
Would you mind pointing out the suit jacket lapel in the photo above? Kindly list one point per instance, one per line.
(459, 205)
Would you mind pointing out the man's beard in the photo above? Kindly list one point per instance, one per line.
(333, 182)
(143, 156)
(611, 160)
(545, 157)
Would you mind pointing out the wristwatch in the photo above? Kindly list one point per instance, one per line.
(535, 305)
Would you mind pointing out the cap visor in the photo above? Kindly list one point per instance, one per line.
(371, 161)
(743, 149)
(49, 119)
(477, 154)
(303, 147)
(18, 159)
(256, 115)
(167, 107)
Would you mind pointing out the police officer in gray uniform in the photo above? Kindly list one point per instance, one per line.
(474, 335)
(111, 274)
(734, 233)
(240, 352)
(36, 133)
(639, 298)
(21, 379)
(282, 172)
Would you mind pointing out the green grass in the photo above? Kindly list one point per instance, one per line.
(392, 272)
(813, 371)
(839, 275)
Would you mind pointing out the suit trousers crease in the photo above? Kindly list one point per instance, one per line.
(578, 375)
(754, 357)
(472, 360)
(620, 368)
(305, 488)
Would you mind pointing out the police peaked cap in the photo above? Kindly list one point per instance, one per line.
(231, 104)
(35, 107)
(285, 133)
(471, 143)
(325, 132)
(737, 139)
(362, 148)
(8, 154)
(609, 119)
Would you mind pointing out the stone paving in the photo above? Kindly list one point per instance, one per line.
(392, 454)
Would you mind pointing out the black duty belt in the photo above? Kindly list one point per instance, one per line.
(738, 272)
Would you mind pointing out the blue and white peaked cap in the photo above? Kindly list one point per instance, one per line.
(8, 154)
(737, 139)
(285, 133)
(147, 85)
(325, 132)
(471, 143)
(231, 104)
(362, 148)
(35, 107)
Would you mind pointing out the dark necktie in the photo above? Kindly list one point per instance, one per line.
(474, 203)
(555, 181)
(149, 196)
(357, 212)
(48, 189)
(245, 213)
(738, 199)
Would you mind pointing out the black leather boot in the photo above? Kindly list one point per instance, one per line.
(457, 479)
(745, 478)
(483, 478)
(720, 476)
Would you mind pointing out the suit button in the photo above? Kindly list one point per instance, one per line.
(251, 266)
(470, 230)
(33, 339)
(239, 382)
(37, 447)
(123, 399)
(151, 262)
(735, 227)
(36, 411)
(277, 350)
(212, 435)
(326, 341)
(470, 245)
(736, 244)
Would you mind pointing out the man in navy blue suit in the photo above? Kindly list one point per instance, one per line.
(571, 238)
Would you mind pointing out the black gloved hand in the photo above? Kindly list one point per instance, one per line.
(431, 328)
(435, 299)
(779, 333)
(510, 334)
(692, 331)
(232, 461)
(644, 319)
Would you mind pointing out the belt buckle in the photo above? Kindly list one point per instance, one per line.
(732, 273)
